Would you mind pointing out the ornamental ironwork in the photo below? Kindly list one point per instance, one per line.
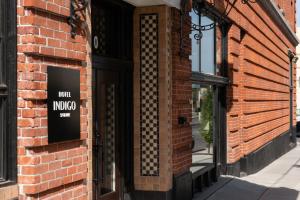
(204, 8)
(75, 20)
(249, 1)
(199, 28)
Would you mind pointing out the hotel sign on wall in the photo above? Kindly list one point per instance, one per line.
(63, 104)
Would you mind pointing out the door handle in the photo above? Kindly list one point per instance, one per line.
(3, 87)
(3, 95)
(3, 90)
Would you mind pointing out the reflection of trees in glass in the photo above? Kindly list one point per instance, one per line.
(195, 99)
(206, 125)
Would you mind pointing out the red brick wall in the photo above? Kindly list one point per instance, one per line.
(289, 8)
(258, 98)
(44, 170)
(181, 95)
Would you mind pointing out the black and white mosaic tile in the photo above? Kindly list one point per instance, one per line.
(149, 96)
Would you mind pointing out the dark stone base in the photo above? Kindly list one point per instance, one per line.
(234, 169)
(262, 157)
(151, 195)
(298, 129)
(182, 186)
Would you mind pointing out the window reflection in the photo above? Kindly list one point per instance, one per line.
(219, 48)
(207, 48)
(206, 55)
(195, 55)
(202, 124)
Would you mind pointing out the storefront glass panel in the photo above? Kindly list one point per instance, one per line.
(203, 125)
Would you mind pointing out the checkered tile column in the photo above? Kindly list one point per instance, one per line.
(152, 99)
(149, 96)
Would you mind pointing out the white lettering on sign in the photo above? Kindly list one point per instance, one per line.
(64, 94)
(65, 115)
(64, 105)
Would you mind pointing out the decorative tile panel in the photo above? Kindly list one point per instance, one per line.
(99, 40)
(149, 95)
(110, 135)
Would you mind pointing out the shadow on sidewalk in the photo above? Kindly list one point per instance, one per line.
(229, 188)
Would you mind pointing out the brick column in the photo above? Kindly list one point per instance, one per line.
(152, 99)
(234, 96)
(181, 96)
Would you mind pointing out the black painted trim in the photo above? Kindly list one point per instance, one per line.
(223, 130)
(210, 79)
(183, 186)
(105, 63)
(291, 57)
(262, 157)
(10, 58)
(234, 169)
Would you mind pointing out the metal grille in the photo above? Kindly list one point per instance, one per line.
(112, 26)
(100, 34)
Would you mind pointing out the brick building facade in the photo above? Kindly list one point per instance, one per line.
(142, 101)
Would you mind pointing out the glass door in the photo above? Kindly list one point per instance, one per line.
(105, 141)
(203, 126)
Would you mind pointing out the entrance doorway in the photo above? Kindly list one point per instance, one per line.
(106, 138)
(209, 82)
(112, 99)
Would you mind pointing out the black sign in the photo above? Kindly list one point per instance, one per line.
(63, 104)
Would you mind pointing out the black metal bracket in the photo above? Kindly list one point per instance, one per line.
(199, 7)
(249, 1)
(74, 19)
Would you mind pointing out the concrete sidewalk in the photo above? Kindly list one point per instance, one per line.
(278, 181)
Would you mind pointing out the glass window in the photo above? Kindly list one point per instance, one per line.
(219, 51)
(207, 47)
(208, 58)
(206, 55)
(195, 45)
(202, 124)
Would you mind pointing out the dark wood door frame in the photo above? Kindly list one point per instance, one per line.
(106, 82)
(112, 50)
(124, 70)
